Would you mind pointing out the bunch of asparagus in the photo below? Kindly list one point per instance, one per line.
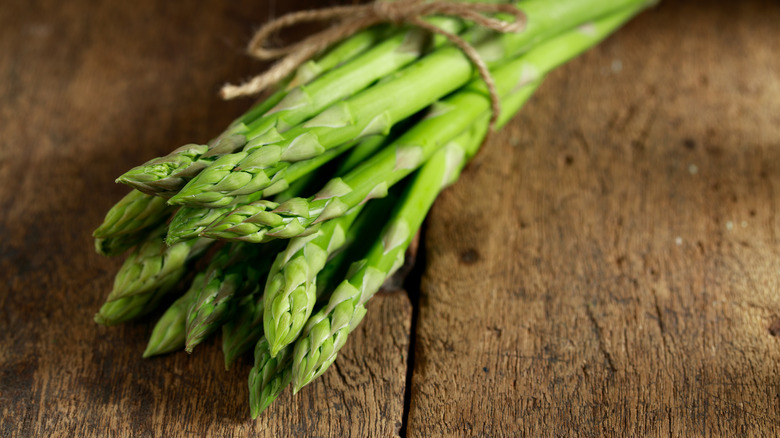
(309, 189)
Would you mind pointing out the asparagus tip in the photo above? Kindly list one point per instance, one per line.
(100, 319)
(155, 349)
(175, 199)
(190, 343)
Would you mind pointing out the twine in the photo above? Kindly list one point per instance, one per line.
(351, 19)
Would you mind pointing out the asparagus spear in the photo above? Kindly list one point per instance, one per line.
(115, 245)
(135, 212)
(269, 376)
(150, 272)
(291, 289)
(134, 306)
(244, 330)
(366, 62)
(377, 108)
(235, 271)
(169, 333)
(188, 222)
(128, 222)
(164, 176)
(154, 264)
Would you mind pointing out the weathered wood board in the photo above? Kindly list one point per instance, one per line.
(608, 266)
(88, 89)
(614, 270)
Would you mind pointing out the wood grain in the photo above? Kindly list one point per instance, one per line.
(614, 270)
(608, 267)
(87, 90)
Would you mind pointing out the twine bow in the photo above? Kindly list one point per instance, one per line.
(352, 19)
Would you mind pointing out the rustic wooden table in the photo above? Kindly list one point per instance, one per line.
(608, 267)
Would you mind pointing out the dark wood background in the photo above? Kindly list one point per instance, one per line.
(609, 267)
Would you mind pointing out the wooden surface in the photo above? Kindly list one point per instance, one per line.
(626, 276)
(609, 266)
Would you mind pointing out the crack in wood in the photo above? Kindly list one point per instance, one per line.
(600, 337)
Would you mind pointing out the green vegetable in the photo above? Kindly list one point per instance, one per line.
(241, 333)
(150, 272)
(269, 376)
(235, 271)
(403, 106)
(169, 333)
(291, 290)
(154, 264)
(133, 213)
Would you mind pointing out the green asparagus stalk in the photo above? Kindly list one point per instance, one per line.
(269, 376)
(148, 274)
(189, 222)
(244, 330)
(135, 212)
(115, 245)
(235, 271)
(326, 331)
(128, 308)
(129, 221)
(377, 108)
(165, 176)
(291, 289)
(365, 63)
(169, 333)
(154, 265)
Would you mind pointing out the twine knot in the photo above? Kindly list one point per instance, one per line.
(351, 19)
(390, 12)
